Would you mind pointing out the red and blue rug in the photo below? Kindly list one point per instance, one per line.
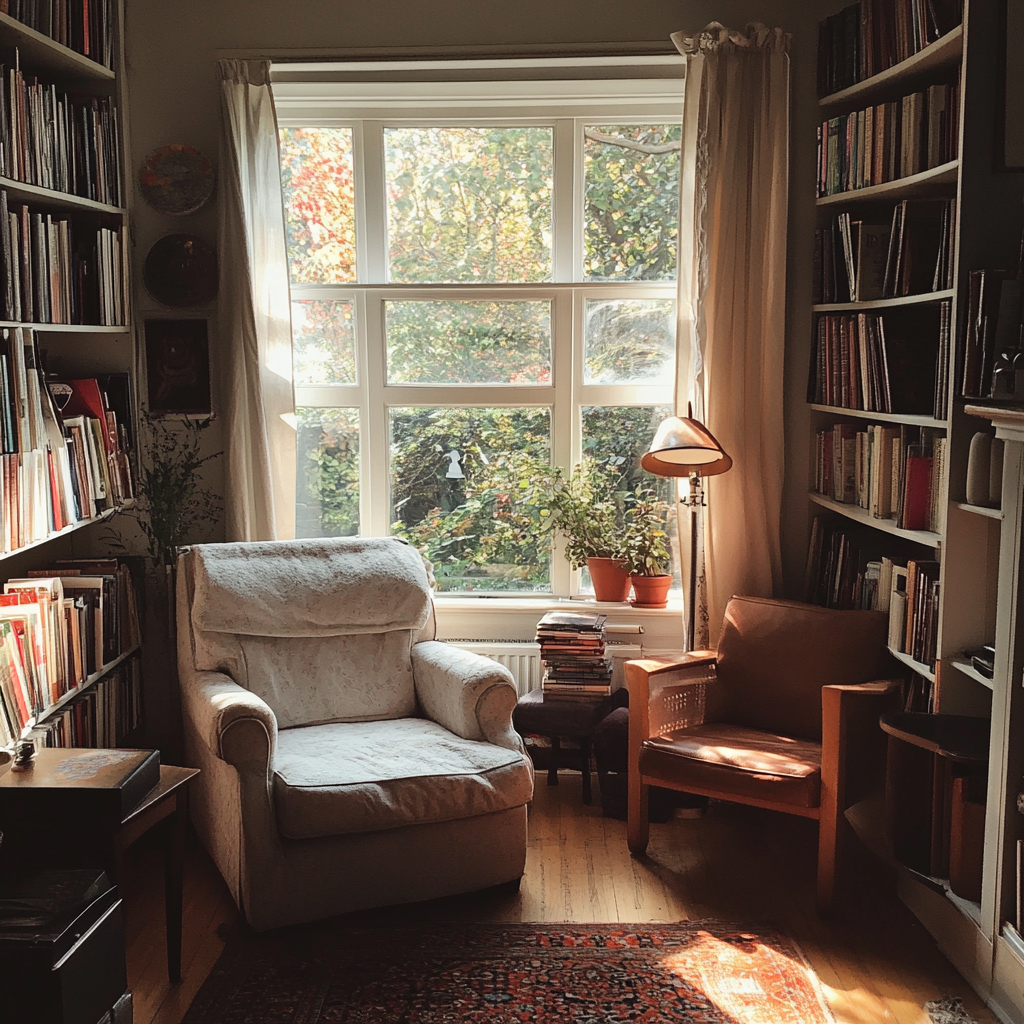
(700, 972)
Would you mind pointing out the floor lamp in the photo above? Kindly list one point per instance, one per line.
(685, 447)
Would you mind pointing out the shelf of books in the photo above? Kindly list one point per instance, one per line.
(66, 49)
(918, 310)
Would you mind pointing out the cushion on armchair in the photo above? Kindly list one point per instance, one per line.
(364, 777)
(256, 606)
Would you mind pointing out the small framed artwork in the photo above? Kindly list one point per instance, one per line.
(178, 368)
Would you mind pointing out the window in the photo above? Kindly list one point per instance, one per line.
(483, 282)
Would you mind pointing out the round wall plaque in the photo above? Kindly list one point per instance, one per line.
(177, 179)
(181, 270)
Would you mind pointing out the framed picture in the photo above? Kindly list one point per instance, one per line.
(178, 368)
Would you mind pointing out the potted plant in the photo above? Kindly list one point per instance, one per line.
(585, 510)
(646, 549)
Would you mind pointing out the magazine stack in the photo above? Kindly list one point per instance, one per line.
(576, 666)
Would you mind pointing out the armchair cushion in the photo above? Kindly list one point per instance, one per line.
(736, 760)
(304, 588)
(364, 777)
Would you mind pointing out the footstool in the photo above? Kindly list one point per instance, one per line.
(535, 716)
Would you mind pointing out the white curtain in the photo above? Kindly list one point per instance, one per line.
(259, 403)
(732, 302)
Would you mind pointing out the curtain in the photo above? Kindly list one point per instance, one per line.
(259, 403)
(732, 298)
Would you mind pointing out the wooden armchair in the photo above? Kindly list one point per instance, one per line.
(783, 715)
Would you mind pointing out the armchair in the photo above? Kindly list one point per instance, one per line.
(348, 759)
(784, 715)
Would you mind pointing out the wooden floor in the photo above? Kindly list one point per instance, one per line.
(735, 864)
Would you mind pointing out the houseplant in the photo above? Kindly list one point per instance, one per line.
(647, 555)
(585, 509)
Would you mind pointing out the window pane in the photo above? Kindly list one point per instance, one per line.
(631, 202)
(323, 342)
(469, 342)
(327, 473)
(617, 437)
(456, 477)
(629, 342)
(469, 204)
(319, 207)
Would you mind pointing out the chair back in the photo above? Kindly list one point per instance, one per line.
(322, 630)
(775, 656)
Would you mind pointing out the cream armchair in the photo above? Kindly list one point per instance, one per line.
(348, 759)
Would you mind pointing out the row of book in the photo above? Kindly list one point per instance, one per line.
(59, 270)
(892, 472)
(889, 140)
(914, 610)
(576, 664)
(909, 252)
(858, 362)
(50, 139)
(85, 26)
(58, 626)
(992, 339)
(103, 716)
(868, 37)
(65, 445)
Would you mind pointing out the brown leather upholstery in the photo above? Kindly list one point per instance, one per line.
(736, 760)
(775, 656)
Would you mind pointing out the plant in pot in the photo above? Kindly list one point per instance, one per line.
(585, 510)
(646, 546)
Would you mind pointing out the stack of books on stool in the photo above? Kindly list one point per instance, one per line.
(572, 649)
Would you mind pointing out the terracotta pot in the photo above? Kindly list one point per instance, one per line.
(611, 581)
(651, 591)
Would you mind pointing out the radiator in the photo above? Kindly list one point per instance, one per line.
(522, 659)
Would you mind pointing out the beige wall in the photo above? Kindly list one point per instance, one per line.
(172, 45)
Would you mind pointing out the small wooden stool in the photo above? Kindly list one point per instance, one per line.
(535, 716)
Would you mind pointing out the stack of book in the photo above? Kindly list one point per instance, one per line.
(85, 26)
(572, 648)
(58, 626)
(914, 610)
(889, 141)
(868, 37)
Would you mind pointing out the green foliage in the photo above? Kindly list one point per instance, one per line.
(323, 342)
(172, 507)
(327, 473)
(645, 540)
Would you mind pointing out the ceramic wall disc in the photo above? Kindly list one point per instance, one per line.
(181, 270)
(177, 179)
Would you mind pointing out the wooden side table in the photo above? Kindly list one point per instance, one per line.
(45, 841)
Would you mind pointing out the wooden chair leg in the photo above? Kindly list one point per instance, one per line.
(555, 750)
(585, 767)
(637, 830)
(828, 855)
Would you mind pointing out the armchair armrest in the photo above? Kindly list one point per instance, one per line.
(667, 693)
(237, 726)
(468, 694)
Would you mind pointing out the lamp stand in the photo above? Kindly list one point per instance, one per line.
(693, 501)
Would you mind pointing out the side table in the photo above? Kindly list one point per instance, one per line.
(70, 841)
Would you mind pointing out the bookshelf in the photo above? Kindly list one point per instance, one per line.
(64, 161)
(978, 548)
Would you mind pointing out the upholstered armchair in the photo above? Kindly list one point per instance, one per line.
(783, 715)
(348, 759)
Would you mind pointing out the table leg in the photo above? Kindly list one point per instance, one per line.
(556, 748)
(585, 767)
(174, 877)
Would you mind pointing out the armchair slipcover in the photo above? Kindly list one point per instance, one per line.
(348, 759)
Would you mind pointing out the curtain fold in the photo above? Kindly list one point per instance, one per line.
(259, 403)
(732, 301)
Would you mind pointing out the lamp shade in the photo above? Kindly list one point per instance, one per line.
(683, 446)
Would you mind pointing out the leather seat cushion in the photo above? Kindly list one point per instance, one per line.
(732, 759)
(367, 776)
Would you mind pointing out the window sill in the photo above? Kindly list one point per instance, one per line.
(515, 618)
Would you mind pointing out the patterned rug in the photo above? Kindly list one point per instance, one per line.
(701, 972)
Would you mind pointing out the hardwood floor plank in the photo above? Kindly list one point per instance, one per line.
(875, 962)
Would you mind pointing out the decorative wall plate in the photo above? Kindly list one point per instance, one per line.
(181, 270)
(177, 179)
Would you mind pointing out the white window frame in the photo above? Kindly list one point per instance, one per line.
(367, 108)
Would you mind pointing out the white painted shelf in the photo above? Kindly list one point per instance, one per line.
(861, 515)
(923, 299)
(910, 419)
(934, 181)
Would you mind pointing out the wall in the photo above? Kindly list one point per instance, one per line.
(173, 97)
